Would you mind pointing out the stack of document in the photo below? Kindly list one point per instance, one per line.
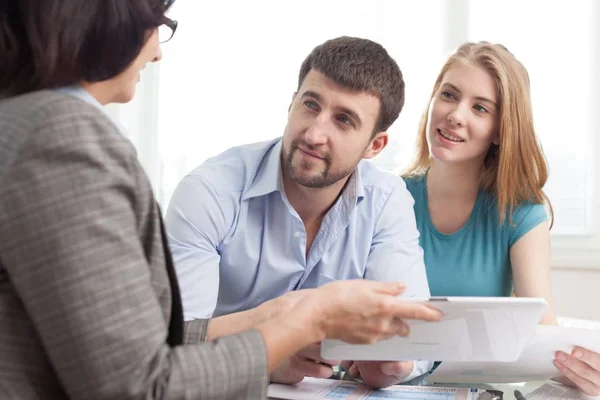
(553, 391)
(534, 364)
(312, 388)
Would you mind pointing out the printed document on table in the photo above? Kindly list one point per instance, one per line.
(313, 388)
(556, 391)
(534, 364)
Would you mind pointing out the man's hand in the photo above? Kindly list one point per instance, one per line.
(379, 374)
(307, 362)
(580, 369)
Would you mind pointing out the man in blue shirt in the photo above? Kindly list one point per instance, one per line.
(263, 219)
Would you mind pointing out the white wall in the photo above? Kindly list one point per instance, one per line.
(576, 292)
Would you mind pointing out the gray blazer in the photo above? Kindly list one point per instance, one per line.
(85, 295)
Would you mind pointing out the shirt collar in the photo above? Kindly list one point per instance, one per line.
(269, 179)
(354, 192)
(82, 94)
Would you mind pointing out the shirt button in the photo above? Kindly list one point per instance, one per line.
(297, 234)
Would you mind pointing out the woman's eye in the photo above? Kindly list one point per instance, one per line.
(481, 108)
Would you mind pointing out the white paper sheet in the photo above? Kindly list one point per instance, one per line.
(534, 364)
(312, 388)
(554, 391)
(473, 329)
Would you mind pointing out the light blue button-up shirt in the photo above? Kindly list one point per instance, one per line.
(237, 241)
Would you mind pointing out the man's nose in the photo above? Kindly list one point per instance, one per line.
(316, 133)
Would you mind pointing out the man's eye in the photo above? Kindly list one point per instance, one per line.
(344, 119)
(310, 104)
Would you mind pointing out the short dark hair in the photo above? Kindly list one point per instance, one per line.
(51, 43)
(360, 65)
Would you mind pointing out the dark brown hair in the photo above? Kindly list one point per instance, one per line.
(360, 65)
(51, 43)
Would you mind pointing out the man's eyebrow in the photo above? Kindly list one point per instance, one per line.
(314, 95)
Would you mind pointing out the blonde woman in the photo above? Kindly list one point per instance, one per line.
(477, 184)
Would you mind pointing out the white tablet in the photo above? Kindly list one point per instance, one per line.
(473, 329)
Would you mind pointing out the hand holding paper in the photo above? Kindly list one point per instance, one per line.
(581, 368)
(534, 364)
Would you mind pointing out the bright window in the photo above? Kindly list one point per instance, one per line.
(553, 39)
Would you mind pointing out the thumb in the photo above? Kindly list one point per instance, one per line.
(353, 371)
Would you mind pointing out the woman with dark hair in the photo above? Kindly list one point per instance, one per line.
(89, 302)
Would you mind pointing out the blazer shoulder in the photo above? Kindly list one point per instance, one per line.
(47, 109)
(42, 105)
(50, 119)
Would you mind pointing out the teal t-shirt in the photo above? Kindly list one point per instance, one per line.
(475, 260)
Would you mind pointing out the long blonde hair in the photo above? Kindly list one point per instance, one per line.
(515, 171)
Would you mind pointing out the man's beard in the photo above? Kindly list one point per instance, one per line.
(325, 179)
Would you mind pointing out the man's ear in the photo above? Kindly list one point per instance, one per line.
(378, 143)
(292, 103)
